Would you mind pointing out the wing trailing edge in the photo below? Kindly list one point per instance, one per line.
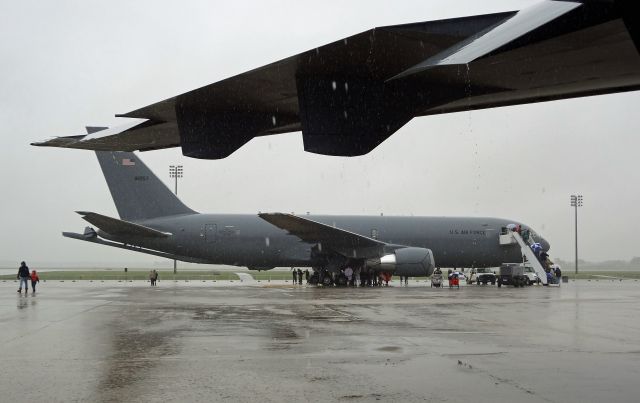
(491, 39)
(137, 134)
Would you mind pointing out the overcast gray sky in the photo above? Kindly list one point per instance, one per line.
(67, 64)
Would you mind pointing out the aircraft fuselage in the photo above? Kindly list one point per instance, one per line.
(247, 240)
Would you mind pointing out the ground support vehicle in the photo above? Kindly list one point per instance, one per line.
(512, 274)
(531, 275)
(454, 281)
(436, 280)
(485, 276)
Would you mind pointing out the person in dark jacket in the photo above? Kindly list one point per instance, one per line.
(300, 276)
(558, 274)
(23, 276)
(294, 273)
(153, 277)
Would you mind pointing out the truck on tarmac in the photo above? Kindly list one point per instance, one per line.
(484, 276)
(512, 274)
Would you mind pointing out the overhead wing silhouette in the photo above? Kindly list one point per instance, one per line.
(348, 96)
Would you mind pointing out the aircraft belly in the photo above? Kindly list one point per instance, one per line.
(258, 251)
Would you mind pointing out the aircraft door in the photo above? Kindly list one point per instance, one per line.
(210, 231)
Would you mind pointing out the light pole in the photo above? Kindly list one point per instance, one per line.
(576, 201)
(175, 171)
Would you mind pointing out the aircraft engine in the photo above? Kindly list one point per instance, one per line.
(413, 262)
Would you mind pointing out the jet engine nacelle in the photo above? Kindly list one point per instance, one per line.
(413, 262)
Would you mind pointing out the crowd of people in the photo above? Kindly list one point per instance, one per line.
(554, 274)
(553, 271)
(356, 277)
(298, 274)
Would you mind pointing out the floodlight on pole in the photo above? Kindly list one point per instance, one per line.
(576, 201)
(175, 172)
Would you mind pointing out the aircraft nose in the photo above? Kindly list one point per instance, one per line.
(545, 245)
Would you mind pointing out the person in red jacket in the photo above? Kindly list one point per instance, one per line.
(34, 280)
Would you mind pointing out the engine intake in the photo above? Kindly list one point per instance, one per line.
(413, 262)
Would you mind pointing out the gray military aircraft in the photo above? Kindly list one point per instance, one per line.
(349, 96)
(154, 221)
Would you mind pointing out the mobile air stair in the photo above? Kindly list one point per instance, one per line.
(512, 237)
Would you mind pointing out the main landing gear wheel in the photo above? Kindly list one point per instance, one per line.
(313, 280)
(341, 281)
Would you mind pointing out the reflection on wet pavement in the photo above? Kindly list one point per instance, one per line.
(181, 342)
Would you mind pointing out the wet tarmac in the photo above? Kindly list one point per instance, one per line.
(276, 342)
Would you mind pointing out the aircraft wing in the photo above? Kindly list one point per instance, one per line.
(339, 240)
(114, 226)
(348, 96)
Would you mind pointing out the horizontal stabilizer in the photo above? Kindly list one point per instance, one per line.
(114, 226)
(495, 37)
(342, 241)
(101, 241)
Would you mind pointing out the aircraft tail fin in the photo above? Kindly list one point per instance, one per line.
(136, 191)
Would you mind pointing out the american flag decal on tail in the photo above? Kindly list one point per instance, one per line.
(128, 162)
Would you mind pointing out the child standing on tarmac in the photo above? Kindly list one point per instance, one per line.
(34, 279)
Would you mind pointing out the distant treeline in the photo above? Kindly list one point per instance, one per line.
(613, 265)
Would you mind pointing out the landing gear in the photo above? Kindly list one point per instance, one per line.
(341, 280)
(314, 279)
(327, 280)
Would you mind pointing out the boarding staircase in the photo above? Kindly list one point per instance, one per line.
(512, 237)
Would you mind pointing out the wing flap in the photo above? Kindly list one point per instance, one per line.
(339, 240)
(114, 226)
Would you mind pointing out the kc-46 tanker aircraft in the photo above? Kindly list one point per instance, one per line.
(349, 96)
(154, 221)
